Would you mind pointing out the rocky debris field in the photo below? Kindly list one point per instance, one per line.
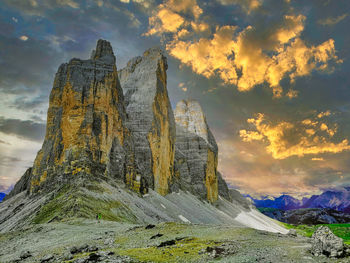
(90, 241)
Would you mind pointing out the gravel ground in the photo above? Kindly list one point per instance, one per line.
(90, 241)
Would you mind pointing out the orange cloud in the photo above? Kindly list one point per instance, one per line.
(286, 139)
(165, 21)
(323, 114)
(292, 94)
(252, 170)
(248, 136)
(168, 18)
(247, 5)
(208, 56)
(317, 159)
(244, 58)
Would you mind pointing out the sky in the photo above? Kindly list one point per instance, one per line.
(272, 77)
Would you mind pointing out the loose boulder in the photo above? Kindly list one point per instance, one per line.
(324, 242)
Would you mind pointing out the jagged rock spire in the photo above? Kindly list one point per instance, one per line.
(95, 131)
(103, 51)
(86, 133)
(151, 120)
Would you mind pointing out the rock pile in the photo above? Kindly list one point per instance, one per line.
(324, 242)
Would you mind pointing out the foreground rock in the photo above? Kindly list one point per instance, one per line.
(324, 242)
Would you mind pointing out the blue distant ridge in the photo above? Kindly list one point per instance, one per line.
(2, 196)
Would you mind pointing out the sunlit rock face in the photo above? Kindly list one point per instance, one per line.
(150, 119)
(86, 132)
(196, 152)
(94, 131)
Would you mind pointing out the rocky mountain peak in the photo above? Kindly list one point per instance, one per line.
(85, 133)
(102, 123)
(196, 151)
(103, 51)
(190, 116)
(151, 119)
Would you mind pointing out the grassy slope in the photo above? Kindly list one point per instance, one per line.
(340, 230)
(71, 203)
(267, 209)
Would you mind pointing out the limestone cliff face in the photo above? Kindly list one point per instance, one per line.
(150, 118)
(94, 131)
(86, 133)
(196, 152)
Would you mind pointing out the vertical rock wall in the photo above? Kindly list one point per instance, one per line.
(196, 152)
(86, 131)
(93, 130)
(150, 118)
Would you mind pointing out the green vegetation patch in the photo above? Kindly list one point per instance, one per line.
(185, 250)
(267, 209)
(340, 230)
(54, 208)
(71, 203)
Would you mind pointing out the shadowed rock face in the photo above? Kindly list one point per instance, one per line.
(196, 152)
(86, 133)
(23, 184)
(150, 118)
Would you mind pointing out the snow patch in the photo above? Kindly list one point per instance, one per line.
(184, 219)
(163, 206)
(255, 219)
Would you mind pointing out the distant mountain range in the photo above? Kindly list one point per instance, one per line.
(307, 216)
(2, 195)
(338, 200)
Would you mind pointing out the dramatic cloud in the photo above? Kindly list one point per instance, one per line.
(285, 139)
(24, 129)
(247, 5)
(23, 38)
(26, 65)
(167, 18)
(245, 58)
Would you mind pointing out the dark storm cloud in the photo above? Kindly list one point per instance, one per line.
(26, 66)
(29, 103)
(24, 129)
(58, 31)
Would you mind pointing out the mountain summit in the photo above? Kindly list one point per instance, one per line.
(86, 134)
(113, 147)
(102, 123)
